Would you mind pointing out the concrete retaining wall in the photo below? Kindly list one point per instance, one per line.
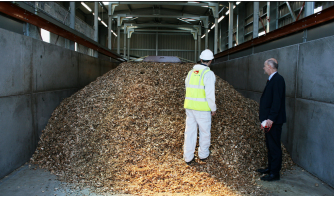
(35, 77)
(308, 70)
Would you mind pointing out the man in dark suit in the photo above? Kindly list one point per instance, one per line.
(272, 113)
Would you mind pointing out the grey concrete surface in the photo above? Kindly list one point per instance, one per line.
(242, 53)
(320, 32)
(45, 103)
(313, 138)
(316, 70)
(287, 64)
(54, 67)
(220, 69)
(280, 43)
(237, 72)
(308, 70)
(106, 66)
(15, 67)
(29, 180)
(16, 142)
(297, 182)
(288, 127)
(89, 69)
(35, 77)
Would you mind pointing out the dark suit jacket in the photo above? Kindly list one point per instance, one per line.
(272, 103)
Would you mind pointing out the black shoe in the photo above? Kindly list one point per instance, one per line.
(190, 162)
(271, 177)
(264, 171)
(206, 157)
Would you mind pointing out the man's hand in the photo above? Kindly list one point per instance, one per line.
(213, 113)
(269, 123)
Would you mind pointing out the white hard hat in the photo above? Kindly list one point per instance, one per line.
(207, 55)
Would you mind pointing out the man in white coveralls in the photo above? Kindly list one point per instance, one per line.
(200, 107)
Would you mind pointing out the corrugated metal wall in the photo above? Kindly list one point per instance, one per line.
(172, 44)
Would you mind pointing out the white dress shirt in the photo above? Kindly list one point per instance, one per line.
(271, 75)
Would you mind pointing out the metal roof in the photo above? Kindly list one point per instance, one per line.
(182, 10)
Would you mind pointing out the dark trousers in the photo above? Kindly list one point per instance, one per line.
(273, 144)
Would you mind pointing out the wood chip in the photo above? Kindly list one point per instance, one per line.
(124, 134)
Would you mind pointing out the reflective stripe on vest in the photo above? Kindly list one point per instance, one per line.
(195, 91)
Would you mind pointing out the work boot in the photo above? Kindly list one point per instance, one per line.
(264, 171)
(271, 177)
(206, 157)
(190, 162)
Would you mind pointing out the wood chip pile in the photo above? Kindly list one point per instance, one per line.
(124, 134)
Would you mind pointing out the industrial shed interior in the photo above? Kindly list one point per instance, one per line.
(51, 50)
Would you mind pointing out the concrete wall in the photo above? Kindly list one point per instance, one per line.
(308, 70)
(35, 77)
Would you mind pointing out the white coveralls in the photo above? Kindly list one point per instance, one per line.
(202, 119)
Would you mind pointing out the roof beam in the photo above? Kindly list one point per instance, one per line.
(289, 8)
(129, 8)
(147, 10)
(161, 3)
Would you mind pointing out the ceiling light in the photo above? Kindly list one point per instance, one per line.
(227, 12)
(209, 30)
(203, 36)
(129, 17)
(234, 7)
(99, 19)
(220, 19)
(213, 26)
(184, 20)
(261, 33)
(105, 3)
(88, 8)
(104, 23)
(238, 2)
(318, 9)
(204, 6)
(113, 33)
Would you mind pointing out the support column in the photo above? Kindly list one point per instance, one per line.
(110, 26)
(216, 17)
(128, 48)
(156, 43)
(268, 17)
(216, 35)
(199, 45)
(256, 19)
(230, 28)
(118, 34)
(72, 20)
(237, 42)
(96, 12)
(309, 8)
(195, 50)
(124, 42)
(118, 39)
(206, 32)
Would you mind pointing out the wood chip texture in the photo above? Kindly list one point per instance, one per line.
(124, 134)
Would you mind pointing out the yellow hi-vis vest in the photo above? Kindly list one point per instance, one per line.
(195, 91)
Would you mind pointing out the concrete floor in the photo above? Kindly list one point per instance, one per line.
(29, 180)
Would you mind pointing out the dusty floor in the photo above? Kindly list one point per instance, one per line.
(29, 180)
